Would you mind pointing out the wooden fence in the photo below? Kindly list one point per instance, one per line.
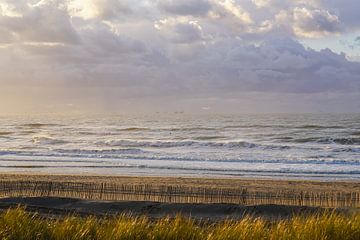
(176, 194)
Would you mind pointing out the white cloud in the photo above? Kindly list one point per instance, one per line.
(103, 9)
(315, 23)
(235, 9)
(180, 31)
(8, 10)
(261, 3)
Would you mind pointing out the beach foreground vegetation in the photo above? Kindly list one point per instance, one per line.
(17, 223)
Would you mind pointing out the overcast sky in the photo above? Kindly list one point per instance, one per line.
(180, 55)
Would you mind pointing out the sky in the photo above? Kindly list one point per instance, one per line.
(201, 56)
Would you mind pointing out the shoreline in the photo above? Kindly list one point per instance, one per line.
(128, 172)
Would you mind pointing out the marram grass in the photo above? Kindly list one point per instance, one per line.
(18, 224)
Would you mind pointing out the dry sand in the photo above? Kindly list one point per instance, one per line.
(62, 206)
(267, 185)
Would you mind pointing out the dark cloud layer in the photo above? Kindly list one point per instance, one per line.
(185, 7)
(112, 51)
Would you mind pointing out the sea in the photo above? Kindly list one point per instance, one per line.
(277, 146)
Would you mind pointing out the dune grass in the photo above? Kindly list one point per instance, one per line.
(21, 225)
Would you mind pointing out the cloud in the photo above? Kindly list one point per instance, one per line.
(261, 3)
(6, 37)
(102, 9)
(204, 51)
(347, 10)
(315, 23)
(103, 42)
(40, 23)
(181, 32)
(277, 65)
(185, 7)
(234, 9)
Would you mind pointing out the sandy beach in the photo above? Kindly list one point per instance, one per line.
(155, 204)
(266, 185)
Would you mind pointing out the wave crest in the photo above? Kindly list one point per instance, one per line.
(325, 140)
(5, 133)
(39, 125)
(133, 129)
(46, 140)
(169, 144)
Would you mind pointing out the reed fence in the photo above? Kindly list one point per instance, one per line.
(176, 194)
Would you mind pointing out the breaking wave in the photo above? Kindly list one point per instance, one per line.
(80, 152)
(188, 129)
(39, 125)
(285, 126)
(202, 138)
(133, 129)
(329, 142)
(323, 140)
(216, 171)
(6, 133)
(46, 140)
(171, 144)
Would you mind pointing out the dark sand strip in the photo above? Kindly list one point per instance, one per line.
(57, 207)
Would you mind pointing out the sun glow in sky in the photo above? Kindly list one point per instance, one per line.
(183, 55)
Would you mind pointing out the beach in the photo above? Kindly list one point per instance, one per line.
(270, 185)
(263, 173)
(209, 198)
(179, 120)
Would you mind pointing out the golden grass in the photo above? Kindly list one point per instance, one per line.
(21, 225)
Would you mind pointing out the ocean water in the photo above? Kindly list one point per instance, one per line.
(304, 146)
